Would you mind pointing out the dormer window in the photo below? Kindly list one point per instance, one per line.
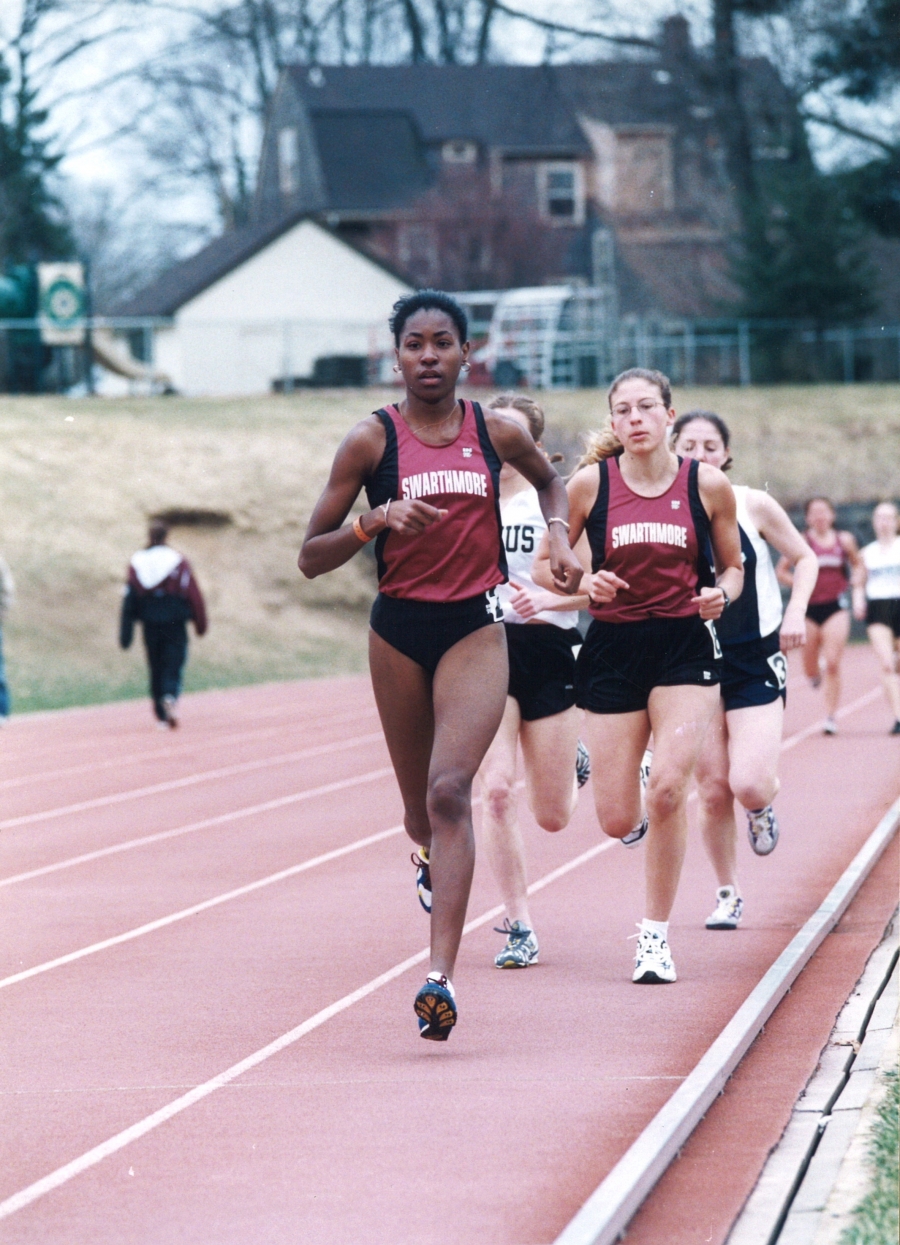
(288, 161)
(561, 192)
(459, 151)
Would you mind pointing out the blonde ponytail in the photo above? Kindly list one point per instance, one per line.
(600, 445)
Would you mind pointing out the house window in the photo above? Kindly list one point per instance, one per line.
(561, 193)
(288, 161)
(459, 151)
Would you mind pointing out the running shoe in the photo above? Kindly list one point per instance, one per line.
(646, 761)
(895, 729)
(829, 727)
(435, 1007)
(729, 909)
(521, 946)
(762, 830)
(582, 764)
(652, 960)
(423, 877)
(169, 705)
(633, 837)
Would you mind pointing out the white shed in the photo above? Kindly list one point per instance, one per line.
(268, 307)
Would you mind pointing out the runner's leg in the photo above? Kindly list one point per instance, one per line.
(884, 645)
(500, 832)
(549, 746)
(679, 717)
(716, 800)
(811, 649)
(616, 742)
(403, 696)
(754, 745)
(835, 633)
(469, 696)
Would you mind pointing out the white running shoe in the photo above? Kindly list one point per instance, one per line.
(729, 909)
(582, 764)
(646, 760)
(521, 946)
(830, 727)
(652, 960)
(762, 830)
(633, 837)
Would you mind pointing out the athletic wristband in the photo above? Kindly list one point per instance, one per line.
(360, 532)
(557, 519)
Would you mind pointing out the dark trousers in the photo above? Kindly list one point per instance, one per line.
(166, 645)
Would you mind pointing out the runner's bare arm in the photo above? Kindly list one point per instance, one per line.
(718, 498)
(582, 490)
(515, 446)
(854, 557)
(329, 543)
(773, 524)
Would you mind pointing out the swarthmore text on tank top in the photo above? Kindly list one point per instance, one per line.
(461, 555)
(658, 545)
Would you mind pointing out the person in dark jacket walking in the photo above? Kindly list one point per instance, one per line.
(161, 593)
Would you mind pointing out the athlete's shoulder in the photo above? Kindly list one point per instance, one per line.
(507, 435)
(848, 542)
(714, 485)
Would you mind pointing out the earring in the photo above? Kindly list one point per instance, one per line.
(397, 367)
(466, 367)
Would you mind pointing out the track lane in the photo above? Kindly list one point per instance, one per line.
(578, 939)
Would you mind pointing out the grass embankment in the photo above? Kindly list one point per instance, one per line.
(81, 478)
(876, 1221)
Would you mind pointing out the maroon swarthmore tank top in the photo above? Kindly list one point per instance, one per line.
(833, 578)
(659, 545)
(462, 555)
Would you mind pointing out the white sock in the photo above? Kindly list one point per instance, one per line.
(656, 927)
(434, 975)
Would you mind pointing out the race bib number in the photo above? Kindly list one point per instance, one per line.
(778, 666)
(711, 628)
(492, 603)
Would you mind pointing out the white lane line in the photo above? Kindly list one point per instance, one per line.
(190, 780)
(608, 1210)
(186, 746)
(221, 819)
(147, 839)
(96, 1155)
(161, 922)
(184, 913)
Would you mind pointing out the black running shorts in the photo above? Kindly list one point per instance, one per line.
(887, 612)
(425, 630)
(541, 668)
(823, 610)
(621, 663)
(755, 673)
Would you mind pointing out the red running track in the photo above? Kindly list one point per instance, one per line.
(211, 945)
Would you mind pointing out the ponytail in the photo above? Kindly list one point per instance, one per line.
(600, 445)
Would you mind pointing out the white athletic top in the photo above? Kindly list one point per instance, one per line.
(523, 528)
(883, 568)
(757, 611)
(155, 564)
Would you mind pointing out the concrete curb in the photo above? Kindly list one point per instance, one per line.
(802, 1173)
(608, 1210)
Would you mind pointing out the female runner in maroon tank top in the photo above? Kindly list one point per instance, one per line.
(651, 660)
(828, 611)
(437, 648)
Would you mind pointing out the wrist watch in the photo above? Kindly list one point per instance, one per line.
(727, 598)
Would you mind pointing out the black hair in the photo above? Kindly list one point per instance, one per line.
(157, 531)
(427, 300)
(711, 418)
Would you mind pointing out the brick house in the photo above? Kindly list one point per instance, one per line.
(495, 176)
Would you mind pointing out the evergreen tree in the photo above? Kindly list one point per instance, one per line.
(32, 226)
